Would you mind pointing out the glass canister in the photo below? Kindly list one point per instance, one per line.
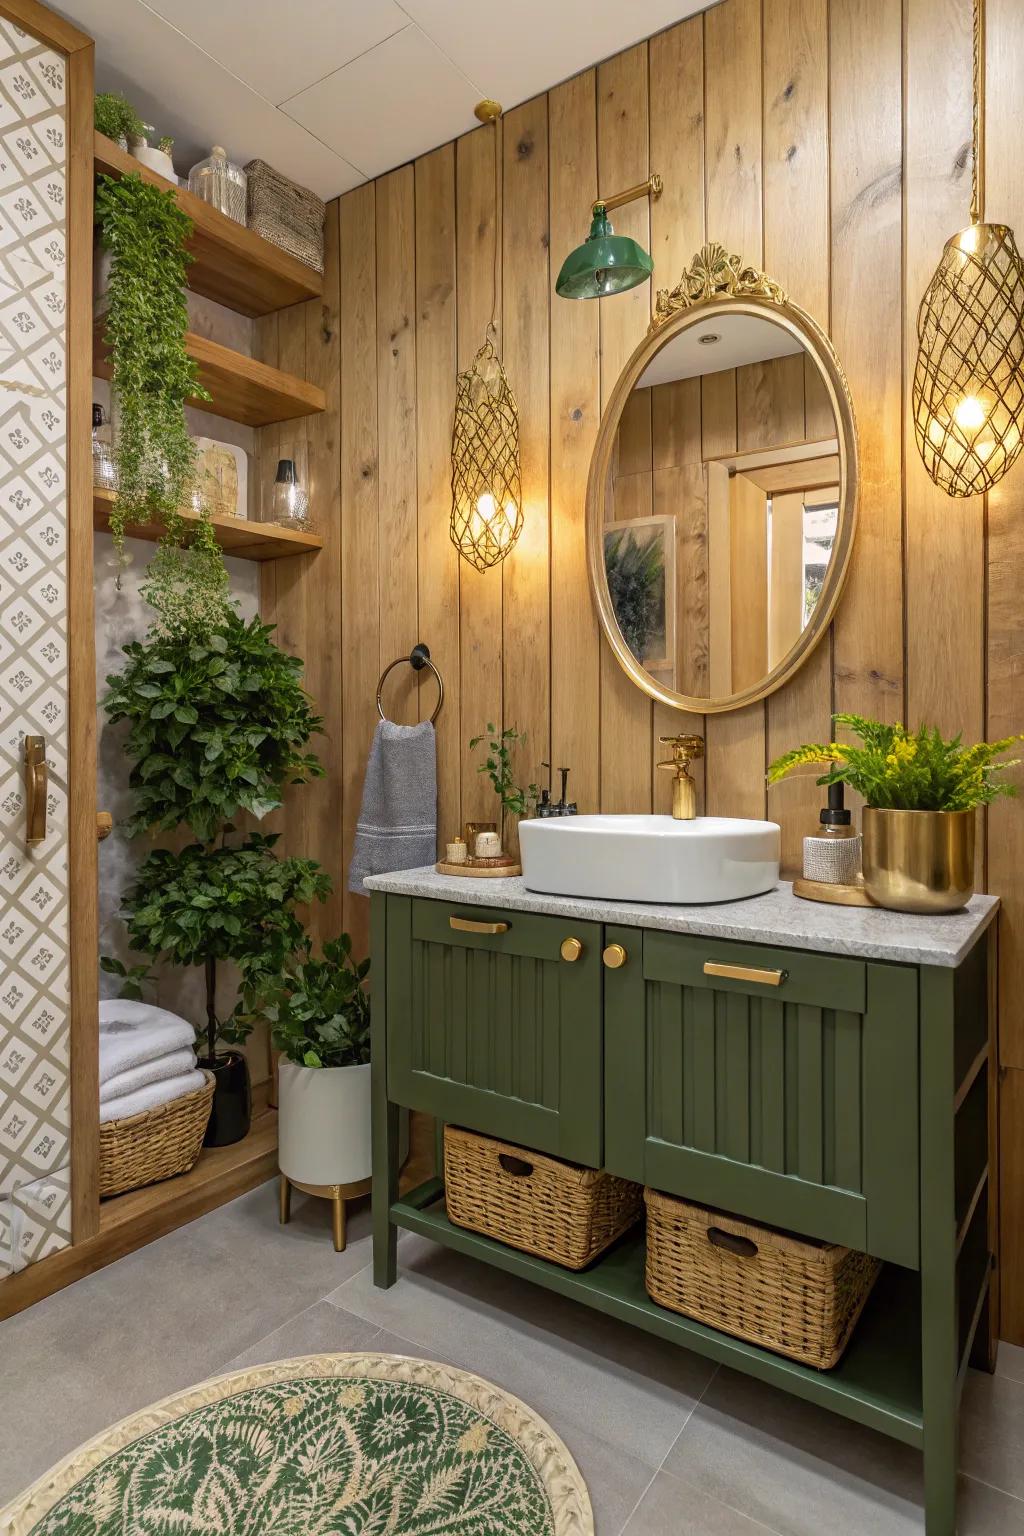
(220, 184)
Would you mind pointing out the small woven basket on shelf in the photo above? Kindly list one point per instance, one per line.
(155, 1145)
(538, 1204)
(286, 214)
(793, 1295)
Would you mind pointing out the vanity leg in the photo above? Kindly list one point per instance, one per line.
(385, 1190)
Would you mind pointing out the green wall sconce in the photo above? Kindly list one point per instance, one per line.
(607, 263)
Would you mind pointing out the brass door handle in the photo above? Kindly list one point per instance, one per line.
(469, 925)
(571, 949)
(35, 790)
(614, 956)
(767, 978)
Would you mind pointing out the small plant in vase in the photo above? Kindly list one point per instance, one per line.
(921, 793)
(116, 118)
(499, 768)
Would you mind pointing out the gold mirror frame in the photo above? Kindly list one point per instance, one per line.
(715, 282)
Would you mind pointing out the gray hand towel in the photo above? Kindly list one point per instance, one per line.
(397, 827)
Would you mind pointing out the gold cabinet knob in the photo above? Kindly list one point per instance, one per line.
(571, 949)
(614, 956)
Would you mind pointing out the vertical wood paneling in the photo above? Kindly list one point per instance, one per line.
(526, 573)
(796, 202)
(733, 199)
(623, 159)
(360, 602)
(396, 404)
(480, 614)
(438, 563)
(575, 413)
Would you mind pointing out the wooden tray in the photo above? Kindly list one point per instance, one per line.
(482, 871)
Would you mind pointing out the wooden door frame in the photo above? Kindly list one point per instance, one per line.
(83, 918)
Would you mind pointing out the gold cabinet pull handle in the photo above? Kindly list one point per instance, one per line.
(571, 949)
(767, 978)
(35, 790)
(470, 925)
(615, 956)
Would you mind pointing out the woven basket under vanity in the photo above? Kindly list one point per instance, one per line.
(159, 1143)
(793, 1295)
(536, 1203)
(286, 214)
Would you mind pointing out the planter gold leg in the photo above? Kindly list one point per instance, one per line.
(337, 1194)
(285, 1200)
(338, 1223)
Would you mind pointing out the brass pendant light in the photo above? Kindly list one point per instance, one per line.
(968, 393)
(487, 498)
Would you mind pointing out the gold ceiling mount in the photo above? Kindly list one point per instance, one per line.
(487, 111)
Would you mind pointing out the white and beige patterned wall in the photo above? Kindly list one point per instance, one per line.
(35, 1210)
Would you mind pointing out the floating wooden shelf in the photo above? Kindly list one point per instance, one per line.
(235, 535)
(241, 388)
(230, 264)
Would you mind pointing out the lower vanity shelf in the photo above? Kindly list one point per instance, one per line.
(877, 1382)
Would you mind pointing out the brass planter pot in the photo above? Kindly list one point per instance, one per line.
(919, 861)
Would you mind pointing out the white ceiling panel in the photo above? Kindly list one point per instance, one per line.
(515, 50)
(183, 92)
(280, 49)
(399, 100)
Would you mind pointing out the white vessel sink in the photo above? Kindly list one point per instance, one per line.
(650, 858)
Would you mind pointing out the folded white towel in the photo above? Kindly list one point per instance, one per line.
(155, 1071)
(149, 1097)
(133, 1033)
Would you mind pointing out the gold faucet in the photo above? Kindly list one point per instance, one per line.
(684, 790)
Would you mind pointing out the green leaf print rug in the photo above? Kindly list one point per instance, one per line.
(329, 1445)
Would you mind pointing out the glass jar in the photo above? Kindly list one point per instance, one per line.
(104, 468)
(289, 503)
(220, 184)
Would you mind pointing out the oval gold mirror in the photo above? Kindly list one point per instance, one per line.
(722, 496)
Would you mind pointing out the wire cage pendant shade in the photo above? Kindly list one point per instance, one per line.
(487, 498)
(968, 391)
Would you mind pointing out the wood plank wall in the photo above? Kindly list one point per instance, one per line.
(826, 139)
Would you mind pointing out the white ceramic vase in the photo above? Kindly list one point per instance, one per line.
(324, 1123)
(156, 159)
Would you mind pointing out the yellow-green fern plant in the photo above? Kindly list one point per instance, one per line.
(896, 770)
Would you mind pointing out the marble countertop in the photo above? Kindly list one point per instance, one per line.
(778, 917)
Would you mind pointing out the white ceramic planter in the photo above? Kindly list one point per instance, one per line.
(324, 1123)
(156, 159)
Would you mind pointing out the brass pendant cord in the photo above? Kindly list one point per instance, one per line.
(492, 324)
(978, 119)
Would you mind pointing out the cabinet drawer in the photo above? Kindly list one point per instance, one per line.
(791, 1098)
(491, 1028)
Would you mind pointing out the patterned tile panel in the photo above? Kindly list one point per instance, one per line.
(34, 1028)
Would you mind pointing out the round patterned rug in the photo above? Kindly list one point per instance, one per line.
(329, 1445)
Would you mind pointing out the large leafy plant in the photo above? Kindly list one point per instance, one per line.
(318, 1008)
(207, 905)
(897, 770)
(152, 375)
(219, 722)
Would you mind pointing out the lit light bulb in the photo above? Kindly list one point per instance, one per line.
(970, 414)
(486, 507)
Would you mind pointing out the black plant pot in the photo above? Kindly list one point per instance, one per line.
(231, 1115)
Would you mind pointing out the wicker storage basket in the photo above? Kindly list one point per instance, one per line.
(793, 1295)
(536, 1203)
(156, 1144)
(286, 214)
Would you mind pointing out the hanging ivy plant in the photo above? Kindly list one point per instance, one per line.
(152, 375)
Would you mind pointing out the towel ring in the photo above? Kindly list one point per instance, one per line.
(418, 658)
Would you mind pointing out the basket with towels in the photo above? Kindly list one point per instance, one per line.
(154, 1100)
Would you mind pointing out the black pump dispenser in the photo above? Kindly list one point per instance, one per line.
(835, 813)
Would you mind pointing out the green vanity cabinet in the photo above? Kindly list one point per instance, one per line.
(493, 1030)
(787, 1092)
(734, 1056)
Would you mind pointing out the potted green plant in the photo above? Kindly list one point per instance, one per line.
(319, 1015)
(116, 118)
(921, 795)
(498, 765)
(209, 905)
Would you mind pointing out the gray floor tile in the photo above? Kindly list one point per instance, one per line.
(1010, 1362)
(992, 1431)
(160, 1319)
(985, 1511)
(573, 1365)
(794, 1468)
(320, 1330)
(673, 1508)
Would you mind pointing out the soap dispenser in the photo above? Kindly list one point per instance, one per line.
(833, 855)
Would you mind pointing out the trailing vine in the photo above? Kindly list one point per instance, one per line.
(152, 374)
